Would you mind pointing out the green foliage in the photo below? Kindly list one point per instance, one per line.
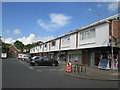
(29, 46)
(19, 45)
(5, 49)
(7, 45)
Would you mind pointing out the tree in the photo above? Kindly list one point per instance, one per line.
(5, 49)
(7, 45)
(19, 45)
(29, 46)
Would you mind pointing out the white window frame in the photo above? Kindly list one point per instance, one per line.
(54, 43)
(84, 35)
(65, 41)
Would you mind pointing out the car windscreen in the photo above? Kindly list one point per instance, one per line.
(39, 59)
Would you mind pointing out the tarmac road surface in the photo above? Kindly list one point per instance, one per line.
(18, 74)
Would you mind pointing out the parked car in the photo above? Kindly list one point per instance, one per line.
(3, 55)
(44, 61)
(25, 58)
(29, 59)
(22, 56)
(35, 57)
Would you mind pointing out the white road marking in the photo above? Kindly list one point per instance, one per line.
(60, 69)
(114, 73)
(39, 70)
(52, 69)
(30, 67)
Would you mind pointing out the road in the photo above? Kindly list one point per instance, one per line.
(19, 74)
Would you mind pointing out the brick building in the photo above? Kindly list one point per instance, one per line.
(13, 51)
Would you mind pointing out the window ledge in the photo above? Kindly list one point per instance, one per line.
(86, 44)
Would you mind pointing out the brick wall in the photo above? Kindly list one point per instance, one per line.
(12, 49)
(116, 28)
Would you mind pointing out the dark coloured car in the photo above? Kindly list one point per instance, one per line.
(44, 61)
(29, 59)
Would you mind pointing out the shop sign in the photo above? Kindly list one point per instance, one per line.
(62, 52)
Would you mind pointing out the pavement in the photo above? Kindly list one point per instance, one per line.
(93, 73)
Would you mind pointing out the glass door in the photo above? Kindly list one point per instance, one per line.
(92, 59)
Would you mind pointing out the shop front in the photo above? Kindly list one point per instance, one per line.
(99, 53)
(62, 56)
(53, 55)
(75, 56)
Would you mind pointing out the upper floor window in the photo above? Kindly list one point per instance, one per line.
(87, 34)
(66, 41)
(53, 43)
(45, 45)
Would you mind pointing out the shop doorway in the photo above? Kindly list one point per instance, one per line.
(75, 56)
(95, 58)
(62, 57)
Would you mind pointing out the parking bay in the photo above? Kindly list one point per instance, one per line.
(60, 68)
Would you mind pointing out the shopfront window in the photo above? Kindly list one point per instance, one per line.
(97, 58)
(74, 58)
(62, 57)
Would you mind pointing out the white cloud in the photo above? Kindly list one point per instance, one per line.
(7, 31)
(17, 31)
(3, 40)
(28, 40)
(56, 21)
(89, 9)
(59, 19)
(32, 38)
(113, 6)
(9, 40)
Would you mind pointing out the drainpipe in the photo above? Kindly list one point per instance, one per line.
(112, 63)
(112, 56)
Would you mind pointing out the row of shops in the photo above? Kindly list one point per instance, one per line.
(89, 57)
(87, 45)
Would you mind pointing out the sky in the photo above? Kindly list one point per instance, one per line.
(41, 21)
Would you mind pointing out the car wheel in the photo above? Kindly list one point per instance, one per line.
(36, 64)
(53, 64)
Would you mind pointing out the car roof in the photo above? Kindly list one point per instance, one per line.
(39, 59)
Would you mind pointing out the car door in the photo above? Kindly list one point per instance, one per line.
(40, 61)
(43, 61)
(47, 61)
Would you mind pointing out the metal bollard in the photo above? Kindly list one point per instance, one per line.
(78, 69)
(75, 68)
